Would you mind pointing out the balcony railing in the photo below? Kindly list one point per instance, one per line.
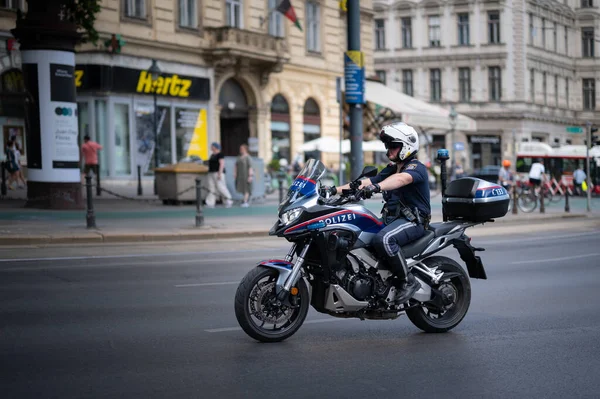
(255, 46)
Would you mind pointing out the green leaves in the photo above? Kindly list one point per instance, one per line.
(83, 14)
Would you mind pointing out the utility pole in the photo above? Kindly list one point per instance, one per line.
(587, 165)
(338, 89)
(354, 74)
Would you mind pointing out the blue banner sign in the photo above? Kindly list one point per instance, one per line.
(354, 77)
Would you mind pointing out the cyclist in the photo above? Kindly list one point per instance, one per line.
(505, 176)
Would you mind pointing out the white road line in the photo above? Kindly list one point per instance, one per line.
(207, 284)
(522, 262)
(317, 321)
(485, 239)
(149, 255)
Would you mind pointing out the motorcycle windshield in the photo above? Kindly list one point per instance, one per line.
(305, 184)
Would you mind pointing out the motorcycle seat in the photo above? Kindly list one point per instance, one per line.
(416, 247)
(439, 229)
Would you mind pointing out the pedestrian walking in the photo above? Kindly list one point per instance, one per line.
(579, 177)
(244, 174)
(216, 178)
(10, 163)
(18, 175)
(89, 151)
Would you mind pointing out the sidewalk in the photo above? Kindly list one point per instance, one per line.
(123, 221)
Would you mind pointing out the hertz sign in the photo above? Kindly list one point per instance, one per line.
(132, 81)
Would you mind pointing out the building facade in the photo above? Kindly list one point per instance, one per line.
(524, 70)
(230, 72)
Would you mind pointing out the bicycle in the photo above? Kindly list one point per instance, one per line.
(528, 198)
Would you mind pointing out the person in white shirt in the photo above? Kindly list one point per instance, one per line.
(536, 174)
(579, 177)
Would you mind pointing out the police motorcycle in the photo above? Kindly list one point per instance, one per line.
(332, 266)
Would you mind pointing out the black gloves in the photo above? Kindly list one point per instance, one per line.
(370, 190)
(331, 190)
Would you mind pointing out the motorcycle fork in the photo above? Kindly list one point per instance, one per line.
(293, 277)
(290, 255)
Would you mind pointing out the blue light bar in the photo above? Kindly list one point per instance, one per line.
(316, 225)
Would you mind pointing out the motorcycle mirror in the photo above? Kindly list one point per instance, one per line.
(368, 171)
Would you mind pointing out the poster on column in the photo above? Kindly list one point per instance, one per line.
(52, 136)
(64, 124)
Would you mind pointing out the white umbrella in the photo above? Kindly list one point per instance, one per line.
(374, 145)
(326, 144)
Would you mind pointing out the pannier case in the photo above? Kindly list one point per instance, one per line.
(475, 200)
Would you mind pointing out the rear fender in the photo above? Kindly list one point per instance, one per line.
(467, 254)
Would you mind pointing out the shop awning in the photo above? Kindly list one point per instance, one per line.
(413, 111)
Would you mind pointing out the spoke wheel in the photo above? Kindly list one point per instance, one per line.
(260, 314)
(527, 202)
(448, 310)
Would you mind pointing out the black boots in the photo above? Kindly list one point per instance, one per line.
(405, 289)
(405, 286)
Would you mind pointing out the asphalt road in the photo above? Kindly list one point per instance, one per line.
(157, 321)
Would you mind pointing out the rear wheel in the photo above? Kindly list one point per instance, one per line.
(452, 302)
(260, 314)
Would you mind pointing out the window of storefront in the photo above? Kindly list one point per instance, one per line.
(485, 150)
(100, 136)
(122, 147)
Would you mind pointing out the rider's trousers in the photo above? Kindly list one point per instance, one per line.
(388, 241)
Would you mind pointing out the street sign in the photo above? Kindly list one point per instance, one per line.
(574, 129)
(354, 77)
(459, 146)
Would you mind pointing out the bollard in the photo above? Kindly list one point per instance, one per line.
(514, 198)
(89, 217)
(567, 207)
(280, 180)
(442, 157)
(97, 172)
(3, 188)
(199, 215)
(140, 192)
(542, 206)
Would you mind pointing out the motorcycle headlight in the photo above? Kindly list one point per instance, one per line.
(289, 216)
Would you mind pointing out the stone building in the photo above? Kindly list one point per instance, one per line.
(524, 70)
(231, 72)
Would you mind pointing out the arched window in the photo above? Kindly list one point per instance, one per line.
(312, 126)
(280, 128)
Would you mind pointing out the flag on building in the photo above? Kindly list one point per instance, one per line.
(286, 8)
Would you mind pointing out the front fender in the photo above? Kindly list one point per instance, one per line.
(283, 267)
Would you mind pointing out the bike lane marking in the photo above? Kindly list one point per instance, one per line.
(522, 262)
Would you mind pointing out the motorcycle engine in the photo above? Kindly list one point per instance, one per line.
(360, 286)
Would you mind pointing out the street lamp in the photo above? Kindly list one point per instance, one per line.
(154, 71)
(452, 117)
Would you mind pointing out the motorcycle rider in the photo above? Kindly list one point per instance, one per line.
(407, 211)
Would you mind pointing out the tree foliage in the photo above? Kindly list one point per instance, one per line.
(83, 14)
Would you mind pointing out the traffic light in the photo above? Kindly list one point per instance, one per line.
(595, 137)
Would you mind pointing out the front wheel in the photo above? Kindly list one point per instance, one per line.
(260, 314)
(453, 300)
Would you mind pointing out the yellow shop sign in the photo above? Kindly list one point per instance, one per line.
(167, 86)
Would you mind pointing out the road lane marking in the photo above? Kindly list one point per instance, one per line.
(522, 262)
(317, 321)
(485, 241)
(150, 255)
(206, 284)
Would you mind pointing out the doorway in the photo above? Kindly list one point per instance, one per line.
(235, 129)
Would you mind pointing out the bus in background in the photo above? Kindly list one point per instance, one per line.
(559, 162)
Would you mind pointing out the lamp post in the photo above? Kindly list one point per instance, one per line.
(154, 71)
(452, 117)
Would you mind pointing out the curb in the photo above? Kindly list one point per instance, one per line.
(112, 238)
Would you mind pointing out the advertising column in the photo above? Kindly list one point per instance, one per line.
(54, 180)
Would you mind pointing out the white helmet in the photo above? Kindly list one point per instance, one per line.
(401, 135)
